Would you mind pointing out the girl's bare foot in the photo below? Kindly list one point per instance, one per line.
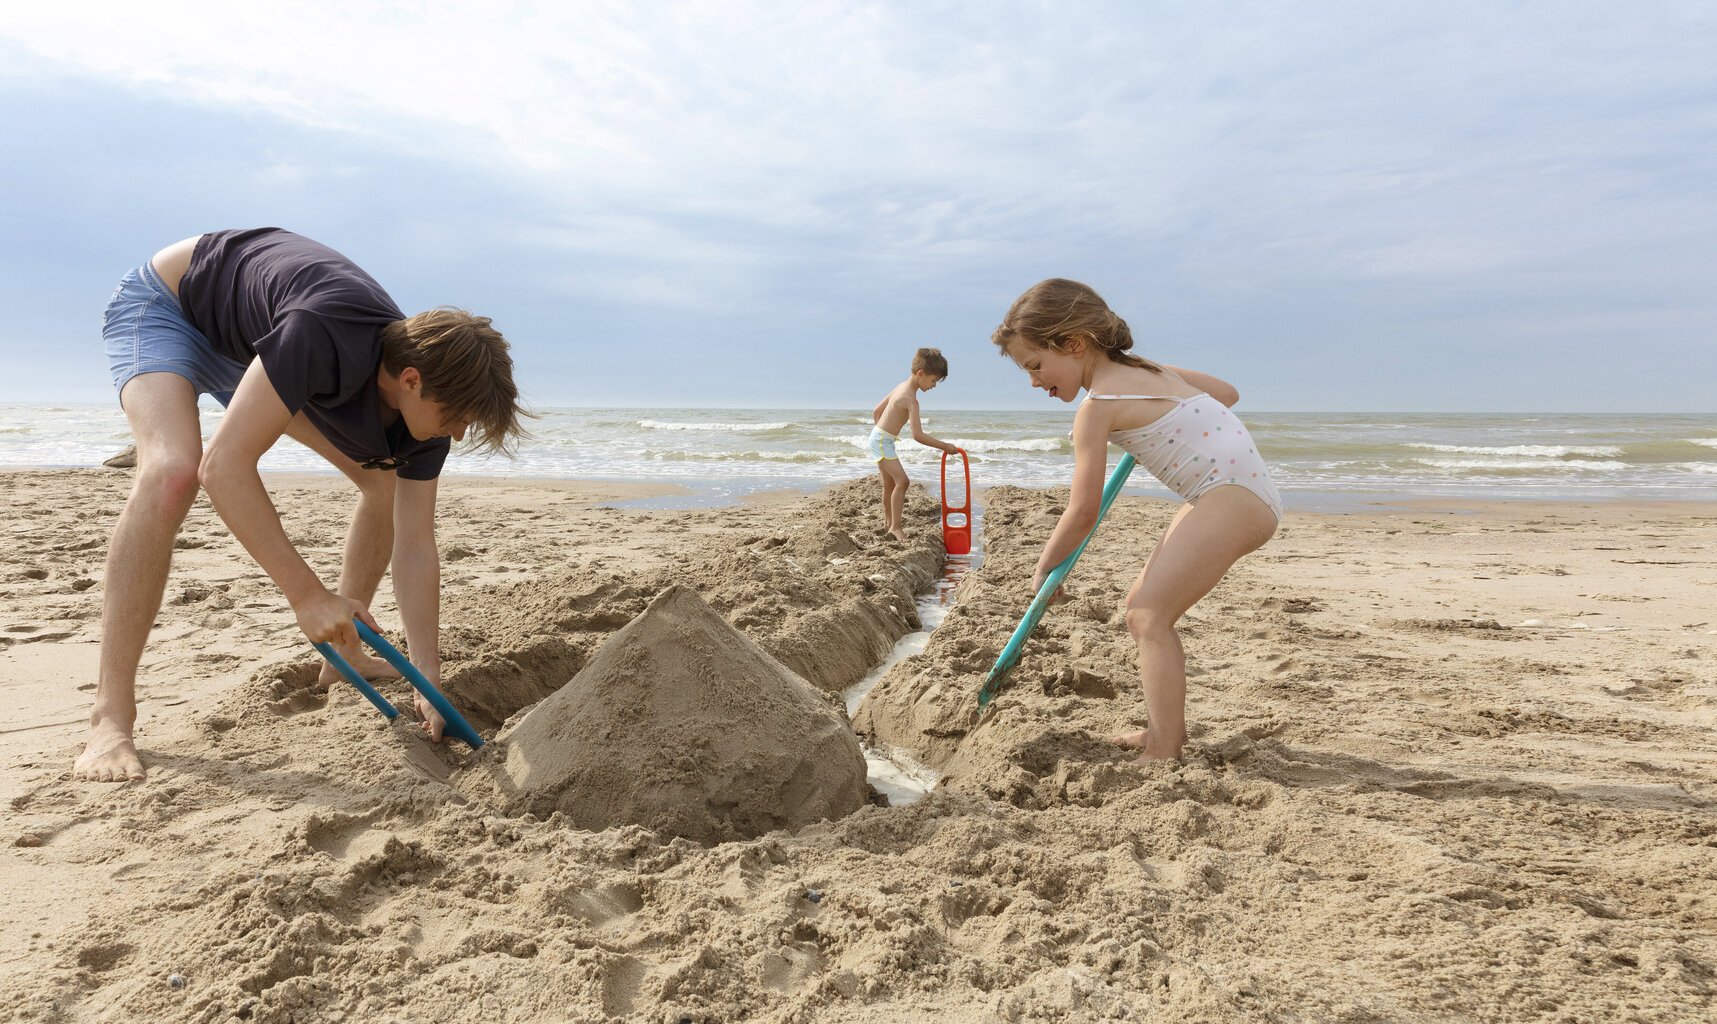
(1150, 755)
(899, 535)
(1131, 740)
(109, 755)
(1151, 747)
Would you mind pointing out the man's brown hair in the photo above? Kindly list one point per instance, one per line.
(931, 361)
(466, 366)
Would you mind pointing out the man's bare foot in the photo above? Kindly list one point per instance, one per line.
(365, 665)
(109, 755)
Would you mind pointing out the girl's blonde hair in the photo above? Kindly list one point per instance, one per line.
(1053, 312)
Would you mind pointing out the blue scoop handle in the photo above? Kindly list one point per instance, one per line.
(1040, 604)
(456, 727)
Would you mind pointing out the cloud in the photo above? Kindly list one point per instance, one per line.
(728, 159)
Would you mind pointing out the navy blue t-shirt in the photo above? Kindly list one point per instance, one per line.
(314, 319)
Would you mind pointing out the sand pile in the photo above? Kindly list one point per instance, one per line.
(682, 724)
(818, 588)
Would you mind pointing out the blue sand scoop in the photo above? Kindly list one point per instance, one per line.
(1040, 604)
(457, 727)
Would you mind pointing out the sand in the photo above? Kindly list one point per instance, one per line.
(1447, 763)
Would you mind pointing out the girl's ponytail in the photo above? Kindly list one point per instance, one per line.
(1053, 312)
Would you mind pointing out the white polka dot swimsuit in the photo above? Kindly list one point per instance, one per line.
(1196, 446)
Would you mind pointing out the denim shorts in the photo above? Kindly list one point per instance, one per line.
(146, 332)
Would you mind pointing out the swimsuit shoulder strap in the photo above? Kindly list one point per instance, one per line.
(1168, 398)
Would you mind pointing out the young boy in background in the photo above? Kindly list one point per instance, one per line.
(929, 369)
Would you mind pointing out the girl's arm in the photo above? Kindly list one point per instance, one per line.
(1090, 464)
(417, 585)
(1213, 386)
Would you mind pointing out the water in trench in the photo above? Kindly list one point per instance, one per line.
(895, 773)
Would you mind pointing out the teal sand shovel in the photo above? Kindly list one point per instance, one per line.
(1040, 604)
(457, 727)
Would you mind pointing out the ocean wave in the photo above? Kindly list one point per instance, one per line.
(1548, 451)
(1027, 444)
(725, 428)
(1507, 464)
(1709, 442)
(681, 455)
(976, 447)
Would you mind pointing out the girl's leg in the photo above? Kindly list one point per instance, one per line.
(1207, 536)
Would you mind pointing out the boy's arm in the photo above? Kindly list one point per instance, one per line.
(876, 413)
(417, 585)
(1211, 385)
(1085, 503)
(254, 421)
(919, 434)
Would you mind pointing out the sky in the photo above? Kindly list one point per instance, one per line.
(1460, 206)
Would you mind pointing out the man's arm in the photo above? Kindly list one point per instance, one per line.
(254, 421)
(1213, 386)
(919, 434)
(417, 584)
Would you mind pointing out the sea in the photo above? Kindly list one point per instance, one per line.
(1321, 461)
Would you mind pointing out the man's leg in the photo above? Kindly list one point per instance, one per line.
(162, 410)
(369, 540)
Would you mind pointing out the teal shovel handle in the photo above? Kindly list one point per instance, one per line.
(1040, 604)
(457, 726)
(345, 668)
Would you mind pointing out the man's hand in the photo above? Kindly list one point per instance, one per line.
(326, 618)
(432, 722)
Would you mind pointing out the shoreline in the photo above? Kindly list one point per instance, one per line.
(715, 492)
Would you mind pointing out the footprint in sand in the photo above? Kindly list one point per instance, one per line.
(296, 689)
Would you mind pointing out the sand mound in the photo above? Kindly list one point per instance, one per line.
(682, 724)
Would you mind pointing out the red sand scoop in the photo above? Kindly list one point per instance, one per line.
(957, 519)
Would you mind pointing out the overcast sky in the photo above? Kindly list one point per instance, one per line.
(1336, 206)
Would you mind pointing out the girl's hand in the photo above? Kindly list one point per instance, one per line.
(1041, 577)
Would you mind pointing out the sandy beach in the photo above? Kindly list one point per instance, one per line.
(1448, 762)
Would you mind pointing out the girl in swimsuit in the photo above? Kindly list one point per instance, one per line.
(1178, 425)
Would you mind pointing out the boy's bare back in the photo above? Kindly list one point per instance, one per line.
(893, 411)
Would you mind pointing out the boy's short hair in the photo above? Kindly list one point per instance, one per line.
(466, 366)
(931, 361)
